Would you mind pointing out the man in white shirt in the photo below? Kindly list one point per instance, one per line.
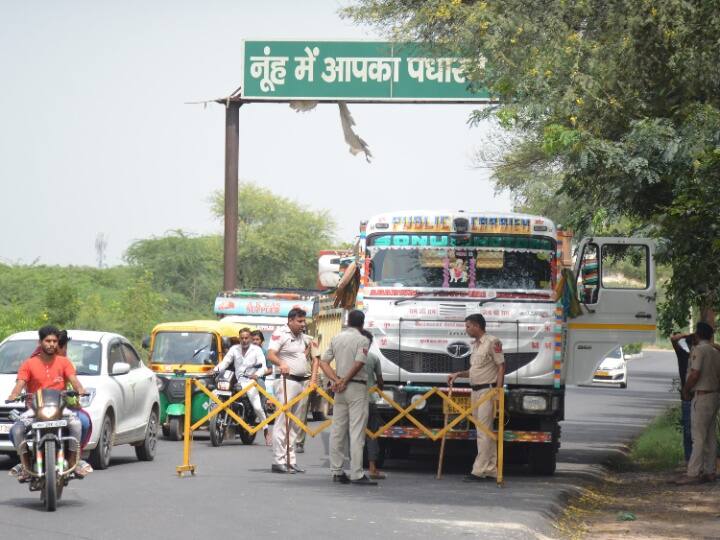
(249, 365)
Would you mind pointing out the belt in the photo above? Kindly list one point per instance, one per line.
(703, 392)
(357, 381)
(297, 378)
(482, 386)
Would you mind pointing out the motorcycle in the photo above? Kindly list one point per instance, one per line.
(222, 424)
(47, 444)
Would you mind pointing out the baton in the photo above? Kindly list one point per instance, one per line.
(442, 442)
(287, 425)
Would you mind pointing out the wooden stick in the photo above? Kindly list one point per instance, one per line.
(287, 425)
(442, 442)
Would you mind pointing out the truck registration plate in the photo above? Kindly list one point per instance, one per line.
(462, 401)
(5, 428)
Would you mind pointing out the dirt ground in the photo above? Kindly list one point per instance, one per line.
(661, 509)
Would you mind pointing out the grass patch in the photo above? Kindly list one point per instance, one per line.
(659, 447)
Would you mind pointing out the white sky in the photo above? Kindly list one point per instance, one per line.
(95, 136)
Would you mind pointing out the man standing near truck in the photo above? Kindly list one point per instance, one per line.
(487, 372)
(287, 350)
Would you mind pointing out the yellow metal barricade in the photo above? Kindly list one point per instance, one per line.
(460, 411)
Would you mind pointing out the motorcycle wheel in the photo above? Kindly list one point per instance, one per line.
(245, 437)
(50, 494)
(217, 430)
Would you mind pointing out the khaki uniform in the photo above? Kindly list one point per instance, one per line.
(705, 359)
(314, 353)
(291, 350)
(350, 412)
(485, 359)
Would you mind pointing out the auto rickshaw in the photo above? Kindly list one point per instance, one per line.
(179, 350)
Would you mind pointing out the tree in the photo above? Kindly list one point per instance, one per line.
(615, 106)
(182, 263)
(278, 239)
(140, 308)
(62, 305)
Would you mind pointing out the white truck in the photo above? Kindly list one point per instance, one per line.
(423, 272)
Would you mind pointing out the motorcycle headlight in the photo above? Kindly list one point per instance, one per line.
(48, 412)
(86, 401)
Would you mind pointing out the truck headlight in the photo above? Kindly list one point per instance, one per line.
(382, 402)
(534, 403)
(418, 401)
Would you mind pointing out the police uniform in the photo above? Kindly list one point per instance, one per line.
(290, 348)
(705, 359)
(485, 360)
(350, 412)
(314, 353)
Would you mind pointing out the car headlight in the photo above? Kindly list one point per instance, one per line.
(418, 401)
(534, 403)
(48, 412)
(86, 401)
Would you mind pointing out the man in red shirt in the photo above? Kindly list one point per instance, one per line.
(45, 371)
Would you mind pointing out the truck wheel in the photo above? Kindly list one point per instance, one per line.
(542, 459)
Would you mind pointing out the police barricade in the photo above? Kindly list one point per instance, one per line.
(458, 410)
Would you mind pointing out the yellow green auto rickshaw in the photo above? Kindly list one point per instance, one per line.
(179, 350)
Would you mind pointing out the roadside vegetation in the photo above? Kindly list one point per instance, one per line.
(172, 277)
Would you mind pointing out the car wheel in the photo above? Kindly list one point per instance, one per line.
(100, 456)
(145, 451)
(623, 384)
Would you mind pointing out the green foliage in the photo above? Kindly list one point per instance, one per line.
(617, 107)
(140, 307)
(632, 348)
(62, 304)
(660, 446)
(278, 239)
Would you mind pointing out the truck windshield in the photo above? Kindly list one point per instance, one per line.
(473, 262)
(183, 348)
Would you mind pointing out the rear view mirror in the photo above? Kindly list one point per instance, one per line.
(226, 343)
(146, 342)
(120, 368)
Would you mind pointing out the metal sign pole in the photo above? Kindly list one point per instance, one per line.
(232, 148)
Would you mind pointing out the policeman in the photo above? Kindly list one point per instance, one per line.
(349, 350)
(703, 381)
(287, 351)
(487, 371)
(313, 357)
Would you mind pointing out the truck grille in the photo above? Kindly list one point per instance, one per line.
(427, 362)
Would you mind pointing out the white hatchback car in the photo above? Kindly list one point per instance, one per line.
(123, 402)
(613, 369)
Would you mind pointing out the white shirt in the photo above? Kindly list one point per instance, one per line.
(251, 363)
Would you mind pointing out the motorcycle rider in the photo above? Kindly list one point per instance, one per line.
(51, 371)
(249, 364)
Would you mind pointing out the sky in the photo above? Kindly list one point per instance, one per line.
(97, 136)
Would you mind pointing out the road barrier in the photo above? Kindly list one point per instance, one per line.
(458, 410)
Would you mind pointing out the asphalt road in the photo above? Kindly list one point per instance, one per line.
(234, 494)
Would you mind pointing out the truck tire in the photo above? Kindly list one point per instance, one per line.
(542, 459)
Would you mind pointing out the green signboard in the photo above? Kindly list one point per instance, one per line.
(351, 71)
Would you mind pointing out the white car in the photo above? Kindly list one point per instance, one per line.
(613, 369)
(123, 402)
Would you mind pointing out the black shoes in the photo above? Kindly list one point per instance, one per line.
(299, 449)
(364, 481)
(342, 478)
(297, 469)
(282, 469)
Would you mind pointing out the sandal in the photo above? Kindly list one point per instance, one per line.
(377, 476)
(83, 468)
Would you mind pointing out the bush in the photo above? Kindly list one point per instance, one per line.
(632, 348)
(660, 446)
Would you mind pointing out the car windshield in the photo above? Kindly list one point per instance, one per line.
(480, 262)
(617, 353)
(85, 355)
(183, 348)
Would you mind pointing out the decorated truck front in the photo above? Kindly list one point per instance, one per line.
(422, 273)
